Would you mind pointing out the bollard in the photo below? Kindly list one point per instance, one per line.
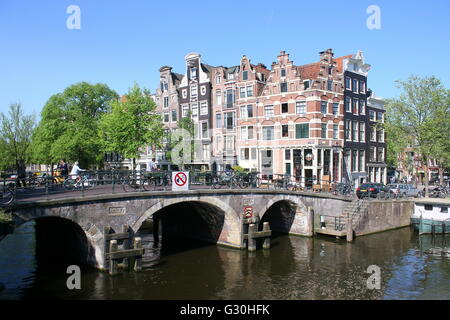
(112, 262)
(349, 229)
(251, 240)
(138, 260)
(266, 244)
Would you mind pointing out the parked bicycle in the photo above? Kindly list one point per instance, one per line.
(227, 179)
(137, 182)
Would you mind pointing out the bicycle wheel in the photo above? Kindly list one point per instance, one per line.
(7, 197)
(69, 184)
(130, 185)
(90, 184)
(149, 184)
(243, 182)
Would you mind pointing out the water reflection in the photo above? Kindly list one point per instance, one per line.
(294, 268)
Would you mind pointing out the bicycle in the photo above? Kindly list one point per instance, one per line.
(8, 196)
(83, 183)
(137, 182)
(225, 179)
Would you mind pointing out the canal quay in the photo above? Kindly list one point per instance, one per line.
(221, 244)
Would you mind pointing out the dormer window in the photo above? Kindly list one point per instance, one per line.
(283, 72)
(306, 84)
(218, 79)
(245, 75)
(231, 76)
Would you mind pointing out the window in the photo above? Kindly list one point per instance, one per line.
(283, 87)
(284, 108)
(306, 84)
(335, 131)
(362, 86)
(203, 108)
(302, 130)
(361, 161)
(245, 154)
(194, 91)
(362, 107)
(229, 120)
(355, 85)
(193, 72)
(245, 75)
(347, 104)
(218, 120)
(354, 159)
(362, 133)
(347, 130)
(283, 72)
(380, 135)
(205, 149)
(287, 154)
(230, 98)
(335, 108)
(185, 110)
(174, 115)
(285, 131)
(373, 136)
(300, 107)
(250, 132)
(218, 97)
(355, 130)
(218, 79)
(330, 85)
(347, 83)
(205, 130)
(229, 143)
(324, 131)
(242, 92)
(166, 102)
(268, 111)
(330, 70)
(268, 133)
(166, 117)
(231, 76)
(249, 111)
(380, 154)
(250, 91)
(380, 116)
(372, 115)
(244, 133)
(355, 106)
(323, 107)
(372, 153)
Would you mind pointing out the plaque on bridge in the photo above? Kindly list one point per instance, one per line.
(180, 181)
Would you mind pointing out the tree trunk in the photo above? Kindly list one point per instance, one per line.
(425, 170)
(441, 176)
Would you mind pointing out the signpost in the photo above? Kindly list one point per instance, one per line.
(180, 180)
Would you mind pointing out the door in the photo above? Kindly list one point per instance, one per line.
(308, 178)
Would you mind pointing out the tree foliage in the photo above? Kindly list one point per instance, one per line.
(132, 124)
(420, 118)
(69, 124)
(16, 130)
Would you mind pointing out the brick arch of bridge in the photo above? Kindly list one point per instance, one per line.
(284, 213)
(230, 234)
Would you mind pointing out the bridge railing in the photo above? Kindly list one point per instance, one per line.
(52, 184)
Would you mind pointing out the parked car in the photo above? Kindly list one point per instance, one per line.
(370, 190)
(404, 190)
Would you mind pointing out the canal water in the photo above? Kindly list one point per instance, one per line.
(411, 267)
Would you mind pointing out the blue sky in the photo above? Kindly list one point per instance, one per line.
(122, 42)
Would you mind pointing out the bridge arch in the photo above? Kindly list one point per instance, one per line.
(224, 223)
(282, 212)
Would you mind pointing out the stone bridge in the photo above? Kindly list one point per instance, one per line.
(214, 216)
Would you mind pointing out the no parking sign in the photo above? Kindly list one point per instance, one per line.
(180, 180)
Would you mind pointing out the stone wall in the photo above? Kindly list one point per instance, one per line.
(384, 215)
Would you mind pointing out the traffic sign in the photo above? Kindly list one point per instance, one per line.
(180, 180)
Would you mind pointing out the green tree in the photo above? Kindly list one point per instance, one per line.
(185, 123)
(69, 125)
(420, 116)
(16, 130)
(132, 124)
